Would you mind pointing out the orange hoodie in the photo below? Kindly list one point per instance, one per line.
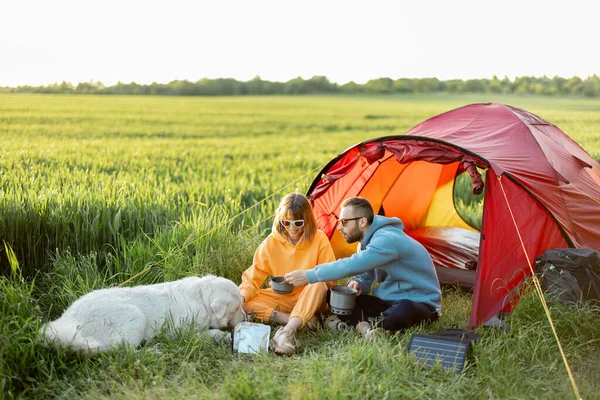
(276, 256)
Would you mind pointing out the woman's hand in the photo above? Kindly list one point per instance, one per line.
(296, 278)
(354, 285)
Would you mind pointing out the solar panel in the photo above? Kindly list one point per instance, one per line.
(449, 352)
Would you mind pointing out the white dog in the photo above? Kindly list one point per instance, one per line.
(105, 318)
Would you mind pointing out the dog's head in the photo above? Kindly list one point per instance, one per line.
(225, 302)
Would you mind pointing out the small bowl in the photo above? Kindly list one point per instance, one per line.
(342, 300)
(280, 286)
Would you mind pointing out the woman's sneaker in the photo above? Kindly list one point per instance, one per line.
(284, 342)
(335, 324)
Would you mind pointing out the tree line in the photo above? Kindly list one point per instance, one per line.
(589, 87)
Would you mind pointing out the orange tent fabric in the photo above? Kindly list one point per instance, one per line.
(536, 178)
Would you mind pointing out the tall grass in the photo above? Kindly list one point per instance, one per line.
(82, 173)
(103, 191)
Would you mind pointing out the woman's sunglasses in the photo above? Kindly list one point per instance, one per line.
(299, 223)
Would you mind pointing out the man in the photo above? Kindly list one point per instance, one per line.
(408, 291)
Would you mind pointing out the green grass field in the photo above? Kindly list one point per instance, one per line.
(96, 189)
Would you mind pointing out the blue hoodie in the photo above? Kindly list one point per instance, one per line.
(390, 257)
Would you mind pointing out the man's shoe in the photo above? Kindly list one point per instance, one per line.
(365, 329)
(335, 324)
(375, 334)
(362, 327)
(284, 342)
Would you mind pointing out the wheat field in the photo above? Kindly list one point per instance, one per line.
(97, 190)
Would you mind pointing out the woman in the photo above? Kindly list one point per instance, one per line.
(295, 243)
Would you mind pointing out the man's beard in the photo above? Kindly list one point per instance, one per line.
(355, 235)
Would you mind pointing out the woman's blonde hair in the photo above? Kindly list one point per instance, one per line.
(296, 206)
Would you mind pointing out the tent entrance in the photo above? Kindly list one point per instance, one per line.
(416, 181)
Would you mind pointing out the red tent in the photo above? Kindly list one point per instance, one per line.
(542, 190)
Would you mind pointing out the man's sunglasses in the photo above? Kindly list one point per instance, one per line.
(344, 221)
(299, 223)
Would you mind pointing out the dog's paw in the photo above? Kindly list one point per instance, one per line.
(219, 335)
(227, 338)
(156, 351)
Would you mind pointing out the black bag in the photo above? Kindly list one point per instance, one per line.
(570, 276)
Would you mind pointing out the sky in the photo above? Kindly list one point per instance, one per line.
(145, 41)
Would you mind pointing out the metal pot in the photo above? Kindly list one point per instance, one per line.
(342, 300)
(280, 286)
